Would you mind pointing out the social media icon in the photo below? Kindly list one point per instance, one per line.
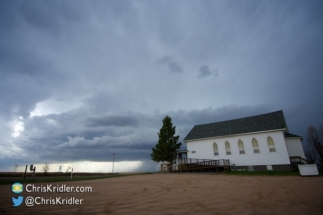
(17, 188)
(17, 201)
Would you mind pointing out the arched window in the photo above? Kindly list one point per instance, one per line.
(241, 147)
(271, 144)
(215, 149)
(255, 146)
(227, 148)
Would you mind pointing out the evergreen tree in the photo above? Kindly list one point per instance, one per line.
(167, 145)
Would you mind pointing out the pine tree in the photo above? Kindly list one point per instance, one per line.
(167, 145)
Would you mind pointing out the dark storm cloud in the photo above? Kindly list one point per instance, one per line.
(28, 75)
(89, 70)
(65, 137)
(62, 136)
(173, 66)
(205, 71)
(119, 121)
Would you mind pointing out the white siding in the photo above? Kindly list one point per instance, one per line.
(204, 149)
(294, 147)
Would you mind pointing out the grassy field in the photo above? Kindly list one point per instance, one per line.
(276, 173)
(40, 178)
(52, 178)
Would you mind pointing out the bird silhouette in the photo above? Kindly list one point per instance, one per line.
(17, 201)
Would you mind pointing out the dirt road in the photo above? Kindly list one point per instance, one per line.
(181, 194)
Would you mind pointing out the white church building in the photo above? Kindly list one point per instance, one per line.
(256, 143)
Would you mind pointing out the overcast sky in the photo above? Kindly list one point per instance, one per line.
(80, 80)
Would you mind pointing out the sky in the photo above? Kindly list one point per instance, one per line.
(81, 80)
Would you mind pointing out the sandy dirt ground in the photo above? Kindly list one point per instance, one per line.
(183, 194)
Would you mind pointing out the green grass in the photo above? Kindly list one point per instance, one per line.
(275, 173)
(4, 181)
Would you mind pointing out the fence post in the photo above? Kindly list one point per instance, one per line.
(33, 173)
(23, 178)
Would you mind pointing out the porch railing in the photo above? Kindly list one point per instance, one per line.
(192, 164)
(298, 160)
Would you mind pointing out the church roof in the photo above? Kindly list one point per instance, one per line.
(289, 135)
(264, 122)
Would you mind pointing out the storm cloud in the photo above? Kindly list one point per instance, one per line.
(205, 71)
(172, 65)
(112, 121)
(81, 80)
